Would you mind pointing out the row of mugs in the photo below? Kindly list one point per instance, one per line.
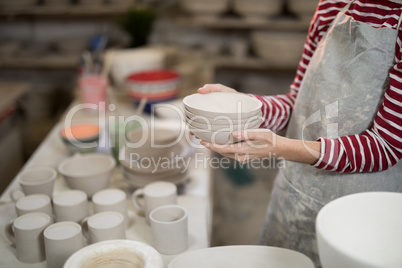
(73, 205)
(37, 238)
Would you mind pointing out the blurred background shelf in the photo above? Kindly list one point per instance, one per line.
(46, 62)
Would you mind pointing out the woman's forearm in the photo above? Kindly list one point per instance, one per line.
(307, 152)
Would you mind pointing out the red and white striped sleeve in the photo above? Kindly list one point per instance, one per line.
(379, 147)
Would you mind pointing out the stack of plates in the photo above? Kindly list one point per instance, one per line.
(214, 116)
(154, 85)
(158, 157)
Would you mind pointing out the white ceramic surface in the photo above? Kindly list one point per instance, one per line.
(233, 105)
(104, 226)
(249, 124)
(62, 239)
(154, 195)
(138, 180)
(217, 137)
(111, 200)
(34, 203)
(169, 224)
(210, 7)
(89, 173)
(283, 49)
(71, 205)
(260, 8)
(37, 180)
(219, 120)
(26, 233)
(361, 231)
(241, 257)
(116, 253)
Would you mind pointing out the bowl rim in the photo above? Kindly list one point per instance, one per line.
(112, 164)
(240, 96)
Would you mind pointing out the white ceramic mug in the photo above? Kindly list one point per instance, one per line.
(71, 205)
(111, 200)
(34, 203)
(26, 233)
(169, 229)
(62, 239)
(104, 226)
(35, 180)
(155, 194)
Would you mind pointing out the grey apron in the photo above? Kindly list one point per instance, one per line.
(341, 92)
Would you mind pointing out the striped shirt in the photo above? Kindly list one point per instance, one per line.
(377, 148)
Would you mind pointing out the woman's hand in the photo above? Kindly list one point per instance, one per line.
(215, 88)
(263, 143)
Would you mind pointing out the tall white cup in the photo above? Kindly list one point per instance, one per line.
(104, 226)
(26, 232)
(62, 239)
(34, 203)
(169, 229)
(36, 180)
(111, 200)
(71, 205)
(154, 195)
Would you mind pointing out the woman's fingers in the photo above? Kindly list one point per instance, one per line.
(215, 88)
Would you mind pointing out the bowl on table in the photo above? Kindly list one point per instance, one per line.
(360, 231)
(81, 137)
(257, 10)
(240, 257)
(116, 253)
(88, 172)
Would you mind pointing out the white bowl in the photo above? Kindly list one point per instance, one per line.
(232, 105)
(302, 8)
(221, 119)
(361, 231)
(258, 8)
(218, 137)
(242, 257)
(230, 126)
(89, 172)
(213, 7)
(116, 253)
(282, 49)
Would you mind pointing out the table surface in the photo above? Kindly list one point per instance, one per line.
(196, 196)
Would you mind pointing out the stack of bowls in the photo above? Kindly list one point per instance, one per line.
(158, 154)
(214, 116)
(155, 86)
(81, 137)
(258, 10)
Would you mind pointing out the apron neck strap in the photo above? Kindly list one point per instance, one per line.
(346, 8)
(399, 22)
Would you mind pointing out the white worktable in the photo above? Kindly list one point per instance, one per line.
(196, 197)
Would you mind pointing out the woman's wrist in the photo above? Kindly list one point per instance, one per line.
(307, 152)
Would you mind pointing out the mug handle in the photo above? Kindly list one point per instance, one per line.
(16, 194)
(9, 231)
(84, 227)
(135, 197)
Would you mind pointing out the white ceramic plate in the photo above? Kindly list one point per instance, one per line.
(241, 257)
(116, 253)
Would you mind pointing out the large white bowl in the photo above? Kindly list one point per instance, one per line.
(219, 120)
(230, 126)
(361, 230)
(89, 172)
(232, 105)
(116, 253)
(217, 137)
(242, 257)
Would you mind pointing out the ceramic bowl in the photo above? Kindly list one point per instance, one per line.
(360, 231)
(258, 8)
(82, 137)
(219, 120)
(217, 137)
(282, 49)
(240, 257)
(116, 253)
(249, 124)
(212, 7)
(303, 8)
(232, 105)
(88, 172)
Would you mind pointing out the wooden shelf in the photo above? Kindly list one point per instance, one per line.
(45, 62)
(279, 23)
(68, 11)
(249, 63)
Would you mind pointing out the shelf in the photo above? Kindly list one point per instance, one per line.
(46, 62)
(249, 63)
(68, 11)
(279, 24)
